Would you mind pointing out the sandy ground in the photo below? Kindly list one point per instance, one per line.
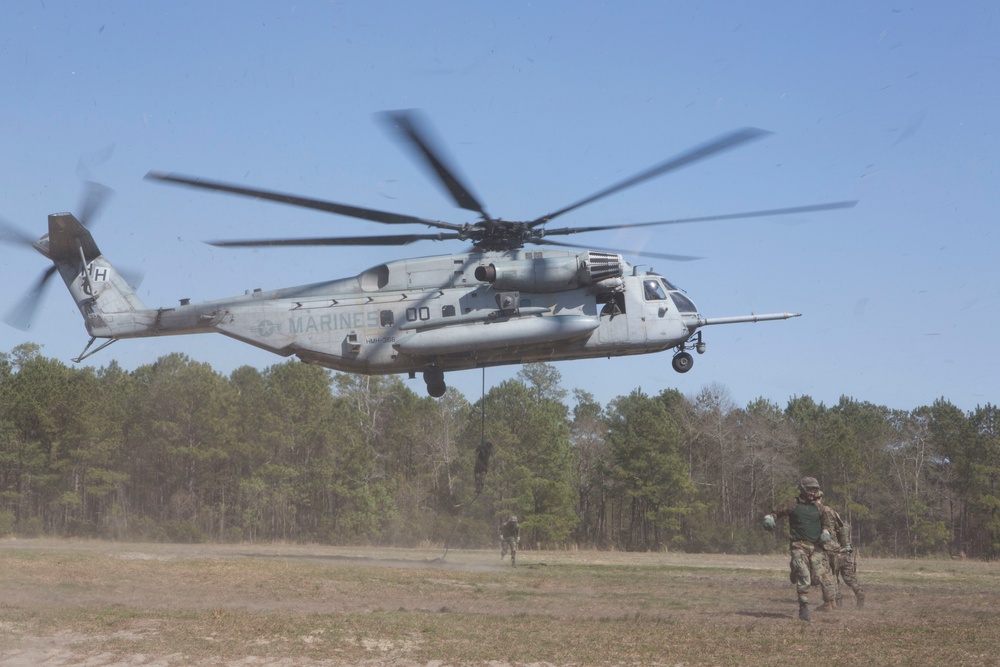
(65, 648)
(27, 599)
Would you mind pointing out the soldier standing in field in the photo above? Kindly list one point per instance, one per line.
(510, 538)
(843, 564)
(808, 559)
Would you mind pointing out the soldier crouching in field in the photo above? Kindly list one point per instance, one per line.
(840, 553)
(808, 559)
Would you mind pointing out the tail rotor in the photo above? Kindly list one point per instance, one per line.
(21, 315)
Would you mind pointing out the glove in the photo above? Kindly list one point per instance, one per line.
(769, 522)
(824, 536)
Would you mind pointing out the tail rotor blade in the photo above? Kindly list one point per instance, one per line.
(14, 235)
(132, 276)
(94, 197)
(23, 312)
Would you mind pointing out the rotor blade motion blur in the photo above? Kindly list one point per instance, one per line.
(15, 235)
(23, 312)
(94, 197)
(413, 131)
(488, 234)
(708, 218)
(373, 215)
(725, 142)
(384, 240)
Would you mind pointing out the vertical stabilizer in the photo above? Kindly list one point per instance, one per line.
(99, 290)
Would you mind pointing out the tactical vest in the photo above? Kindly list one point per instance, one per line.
(804, 523)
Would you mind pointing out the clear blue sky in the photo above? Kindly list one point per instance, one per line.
(540, 104)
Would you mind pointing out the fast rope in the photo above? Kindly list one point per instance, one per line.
(483, 452)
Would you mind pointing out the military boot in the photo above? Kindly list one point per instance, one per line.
(826, 606)
(804, 612)
(859, 599)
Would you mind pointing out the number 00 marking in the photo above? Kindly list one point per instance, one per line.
(413, 314)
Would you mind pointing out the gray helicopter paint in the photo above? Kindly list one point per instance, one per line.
(344, 330)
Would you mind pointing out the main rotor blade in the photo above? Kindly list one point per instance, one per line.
(708, 218)
(303, 202)
(23, 312)
(641, 253)
(725, 142)
(414, 131)
(401, 239)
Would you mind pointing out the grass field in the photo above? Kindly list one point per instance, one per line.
(101, 604)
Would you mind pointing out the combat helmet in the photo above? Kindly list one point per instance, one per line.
(808, 483)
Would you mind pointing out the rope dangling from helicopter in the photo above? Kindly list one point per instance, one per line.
(484, 450)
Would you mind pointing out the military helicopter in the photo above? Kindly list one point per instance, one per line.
(516, 296)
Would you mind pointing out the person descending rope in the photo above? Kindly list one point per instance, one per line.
(483, 452)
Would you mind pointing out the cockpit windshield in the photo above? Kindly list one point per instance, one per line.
(684, 304)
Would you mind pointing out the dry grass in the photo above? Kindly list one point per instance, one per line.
(103, 604)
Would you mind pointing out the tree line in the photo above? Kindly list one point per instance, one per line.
(175, 451)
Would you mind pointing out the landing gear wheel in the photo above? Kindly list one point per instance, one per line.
(437, 389)
(682, 362)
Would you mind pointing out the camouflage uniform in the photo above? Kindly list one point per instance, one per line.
(808, 559)
(840, 554)
(510, 537)
(483, 452)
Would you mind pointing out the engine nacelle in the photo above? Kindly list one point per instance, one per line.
(552, 274)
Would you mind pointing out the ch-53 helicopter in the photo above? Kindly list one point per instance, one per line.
(498, 303)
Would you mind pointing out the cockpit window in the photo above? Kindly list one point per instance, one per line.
(684, 304)
(669, 285)
(653, 290)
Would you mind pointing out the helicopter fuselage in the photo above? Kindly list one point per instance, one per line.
(430, 314)
(405, 315)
